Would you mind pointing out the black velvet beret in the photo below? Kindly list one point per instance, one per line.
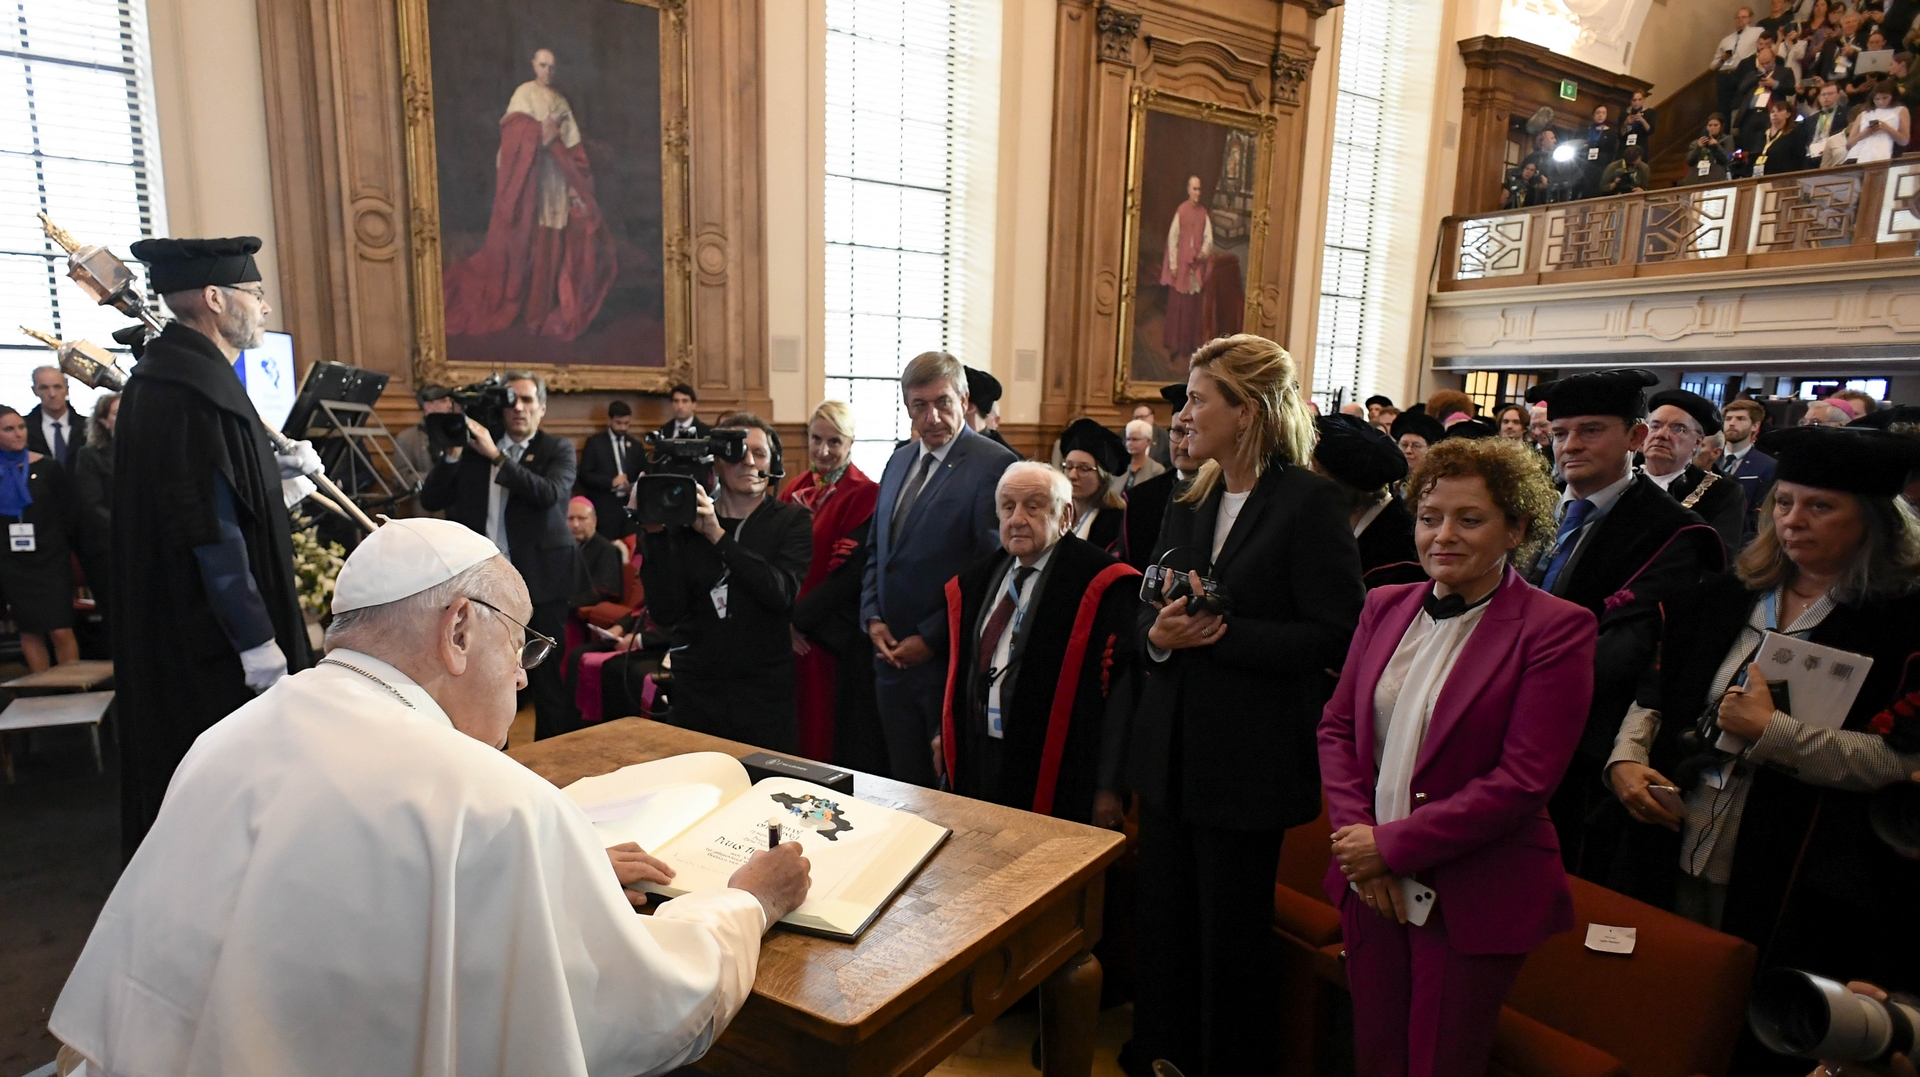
(1855, 459)
(1473, 429)
(181, 265)
(1175, 394)
(1599, 392)
(1415, 420)
(1885, 416)
(1355, 453)
(983, 389)
(1693, 404)
(1107, 448)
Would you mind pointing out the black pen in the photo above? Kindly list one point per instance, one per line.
(773, 833)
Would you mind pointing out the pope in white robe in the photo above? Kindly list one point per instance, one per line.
(346, 878)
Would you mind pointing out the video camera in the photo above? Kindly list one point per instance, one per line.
(485, 402)
(1798, 1013)
(1164, 583)
(665, 498)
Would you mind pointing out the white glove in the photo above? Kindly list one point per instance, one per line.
(301, 461)
(295, 489)
(263, 665)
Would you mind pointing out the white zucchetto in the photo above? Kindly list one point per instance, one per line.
(405, 557)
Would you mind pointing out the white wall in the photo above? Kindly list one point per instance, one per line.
(1677, 41)
(212, 114)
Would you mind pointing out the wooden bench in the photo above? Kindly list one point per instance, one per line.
(45, 712)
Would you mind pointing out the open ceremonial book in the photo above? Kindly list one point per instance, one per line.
(700, 814)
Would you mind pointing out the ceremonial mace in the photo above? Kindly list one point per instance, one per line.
(101, 274)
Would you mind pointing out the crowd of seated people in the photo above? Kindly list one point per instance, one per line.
(1814, 84)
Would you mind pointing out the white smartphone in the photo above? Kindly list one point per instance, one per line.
(1419, 900)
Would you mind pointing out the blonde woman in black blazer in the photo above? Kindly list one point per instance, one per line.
(1223, 752)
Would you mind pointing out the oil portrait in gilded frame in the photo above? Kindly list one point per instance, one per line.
(1196, 222)
(547, 169)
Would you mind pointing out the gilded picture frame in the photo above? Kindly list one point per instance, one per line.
(1230, 151)
(432, 363)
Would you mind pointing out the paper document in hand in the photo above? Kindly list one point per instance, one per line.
(1822, 682)
(861, 854)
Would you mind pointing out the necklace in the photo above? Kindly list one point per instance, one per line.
(371, 677)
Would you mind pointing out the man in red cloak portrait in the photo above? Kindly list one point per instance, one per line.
(548, 260)
(1189, 245)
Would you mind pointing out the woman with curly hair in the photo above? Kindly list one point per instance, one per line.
(1458, 710)
(1755, 820)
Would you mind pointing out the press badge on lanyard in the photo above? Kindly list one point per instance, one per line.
(20, 538)
(719, 596)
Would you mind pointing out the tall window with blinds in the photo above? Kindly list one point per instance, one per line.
(1371, 280)
(77, 141)
(890, 162)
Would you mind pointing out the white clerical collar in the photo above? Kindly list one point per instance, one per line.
(1665, 481)
(385, 678)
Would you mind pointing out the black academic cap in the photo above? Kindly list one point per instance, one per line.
(1175, 394)
(1355, 453)
(1107, 448)
(1378, 399)
(181, 265)
(983, 389)
(1886, 416)
(1693, 404)
(426, 394)
(1415, 420)
(1473, 429)
(1855, 459)
(1599, 392)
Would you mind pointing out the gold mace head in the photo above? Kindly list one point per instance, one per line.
(48, 339)
(58, 234)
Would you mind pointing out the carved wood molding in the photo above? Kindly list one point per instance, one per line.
(1256, 58)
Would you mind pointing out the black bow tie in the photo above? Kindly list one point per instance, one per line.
(1453, 605)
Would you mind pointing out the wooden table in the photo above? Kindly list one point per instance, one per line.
(67, 677)
(45, 712)
(1010, 902)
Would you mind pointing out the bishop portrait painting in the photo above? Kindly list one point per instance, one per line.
(552, 183)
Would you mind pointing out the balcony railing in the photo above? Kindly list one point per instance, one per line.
(1852, 213)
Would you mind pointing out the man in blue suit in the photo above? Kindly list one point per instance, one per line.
(935, 516)
(1752, 469)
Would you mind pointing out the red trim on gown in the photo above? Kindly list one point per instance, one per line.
(837, 511)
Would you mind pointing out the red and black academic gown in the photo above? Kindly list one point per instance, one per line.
(1066, 695)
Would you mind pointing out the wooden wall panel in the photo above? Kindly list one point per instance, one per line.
(335, 127)
(1253, 54)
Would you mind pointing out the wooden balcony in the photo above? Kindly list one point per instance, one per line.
(1847, 214)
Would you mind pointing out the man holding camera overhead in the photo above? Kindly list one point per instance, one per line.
(512, 485)
(725, 586)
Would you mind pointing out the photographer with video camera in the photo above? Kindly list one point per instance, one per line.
(723, 579)
(1223, 753)
(505, 478)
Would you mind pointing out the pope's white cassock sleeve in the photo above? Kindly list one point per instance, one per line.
(338, 884)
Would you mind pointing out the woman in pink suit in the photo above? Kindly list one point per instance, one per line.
(1456, 715)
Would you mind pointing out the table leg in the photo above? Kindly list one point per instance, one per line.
(6, 756)
(1069, 1010)
(93, 731)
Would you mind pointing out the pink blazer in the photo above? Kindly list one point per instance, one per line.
(1503, 731)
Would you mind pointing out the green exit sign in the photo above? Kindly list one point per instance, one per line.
(1569, 89)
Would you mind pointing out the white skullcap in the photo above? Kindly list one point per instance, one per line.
(405, 557)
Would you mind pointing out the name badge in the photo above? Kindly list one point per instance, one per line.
(1633, 139)
(719, 597)
(1760, 165)
(1717, 777)
(1593, 153)
(1841, 66)
(20, 538)
(1706, 165)
(996, 728)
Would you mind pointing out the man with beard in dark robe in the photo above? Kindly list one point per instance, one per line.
(206, 611)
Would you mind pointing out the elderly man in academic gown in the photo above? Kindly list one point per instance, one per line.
(1040, 661)
(206, 612)
(1677, 422)
(348, 876)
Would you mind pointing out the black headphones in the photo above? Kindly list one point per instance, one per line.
(777, 467)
